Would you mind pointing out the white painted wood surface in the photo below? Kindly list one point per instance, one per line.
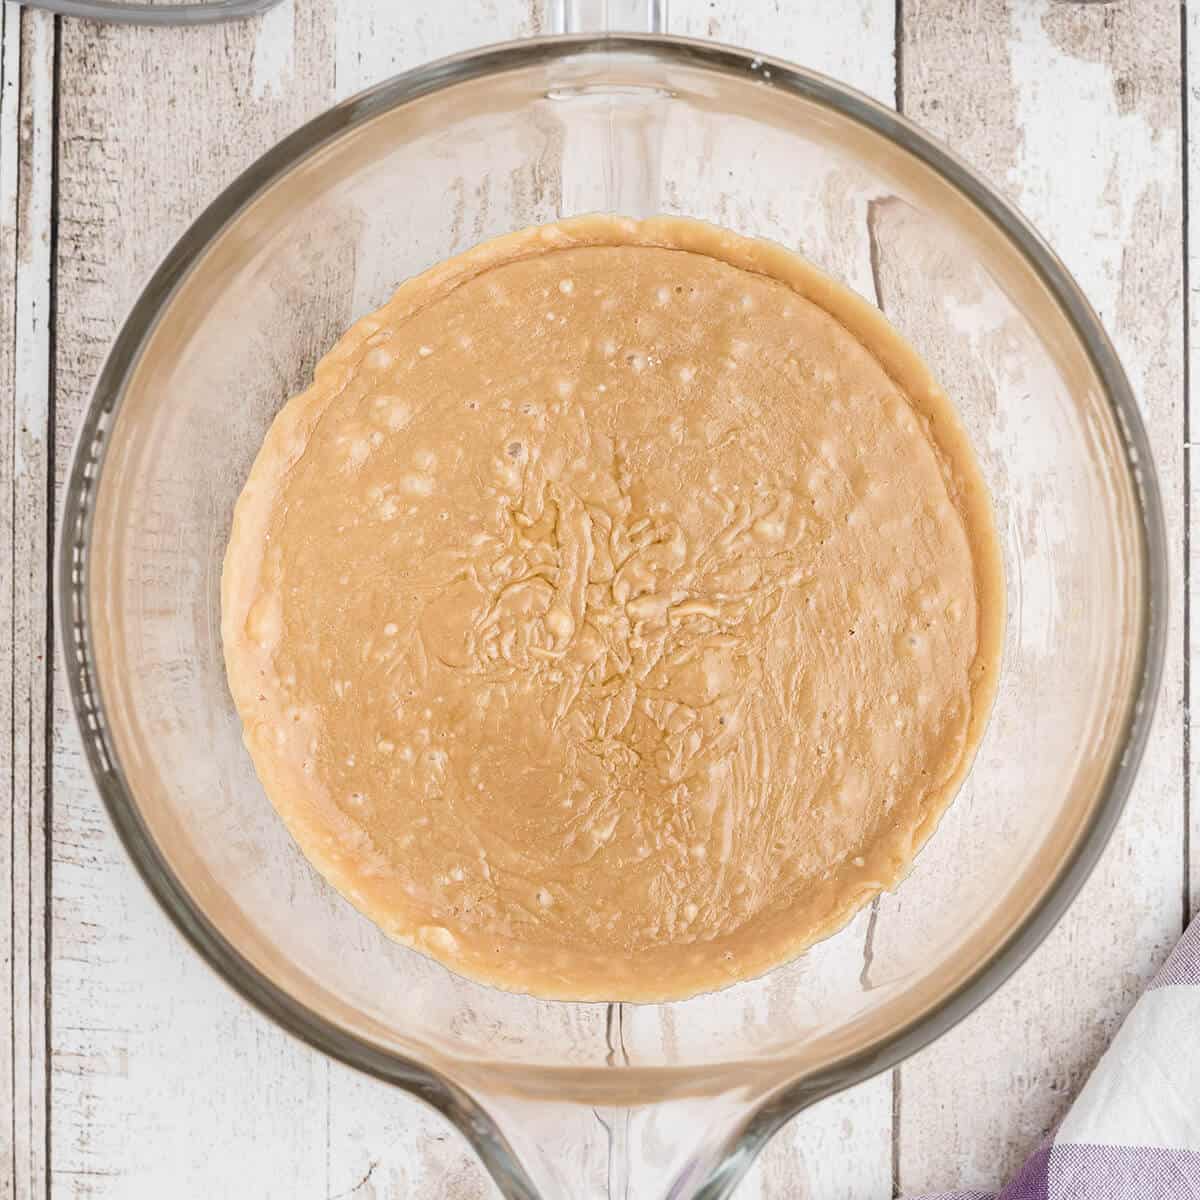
(1074, 111)
(160, 1082)
(26, 171)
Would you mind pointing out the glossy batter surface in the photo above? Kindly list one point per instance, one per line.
(617, 612)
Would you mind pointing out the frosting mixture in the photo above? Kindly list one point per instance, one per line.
(617, 611)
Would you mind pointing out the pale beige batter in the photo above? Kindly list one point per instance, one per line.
(617, 612)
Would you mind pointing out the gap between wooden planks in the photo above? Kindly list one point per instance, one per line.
(26, 180)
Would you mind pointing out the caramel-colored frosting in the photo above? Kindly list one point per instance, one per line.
(617, 612)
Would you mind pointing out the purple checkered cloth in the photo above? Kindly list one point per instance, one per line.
(1134, 1131)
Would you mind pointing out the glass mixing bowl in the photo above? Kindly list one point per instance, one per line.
(591, 1099)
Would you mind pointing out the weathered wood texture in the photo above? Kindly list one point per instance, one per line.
(162, 1080)
(1073, 111)
(808, 1158)
(163, 1083)
(26, 153)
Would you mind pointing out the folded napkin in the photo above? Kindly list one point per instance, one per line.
(1134, 1131)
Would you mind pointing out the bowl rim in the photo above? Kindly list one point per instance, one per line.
(71, 583)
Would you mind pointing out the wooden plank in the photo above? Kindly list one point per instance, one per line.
(26, 182)
(9, 91)
(855, 43)
(164, 1083)
(1073, 110)
(375, 40)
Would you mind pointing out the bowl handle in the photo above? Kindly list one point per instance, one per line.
(610, 16)
(682, 1147)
